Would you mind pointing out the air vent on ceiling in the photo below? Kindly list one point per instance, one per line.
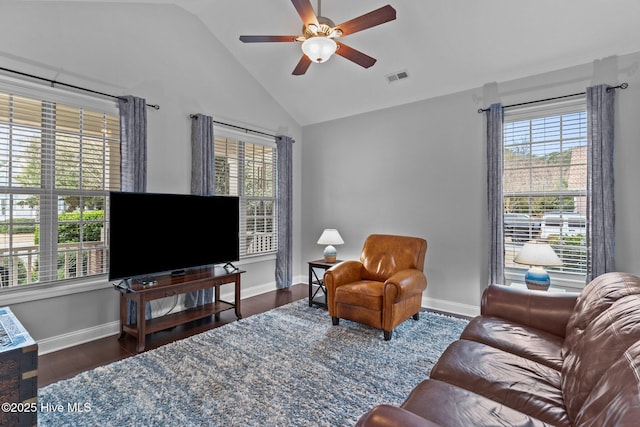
(394, 77)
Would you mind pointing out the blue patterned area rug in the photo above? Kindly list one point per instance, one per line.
(286, 367)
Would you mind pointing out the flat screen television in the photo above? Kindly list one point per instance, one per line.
(151, 233)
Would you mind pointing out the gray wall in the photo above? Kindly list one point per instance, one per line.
(414, 169)
(161, 53)
(419, 169)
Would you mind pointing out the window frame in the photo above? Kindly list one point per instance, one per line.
(52, 286)
(249, 138)
(572, 281)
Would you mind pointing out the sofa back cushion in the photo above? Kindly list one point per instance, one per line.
(384, 255)
(615, 400)
(603, 326)
(595, 298)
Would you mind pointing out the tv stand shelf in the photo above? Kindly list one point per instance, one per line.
(167, 286)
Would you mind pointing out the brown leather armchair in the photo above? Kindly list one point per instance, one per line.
(384, 288)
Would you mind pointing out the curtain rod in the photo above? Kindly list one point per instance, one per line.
(246, 130)
(53, 82)
(620, 86)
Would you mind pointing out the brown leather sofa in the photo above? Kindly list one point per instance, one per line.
(384, 288)
(536, 358)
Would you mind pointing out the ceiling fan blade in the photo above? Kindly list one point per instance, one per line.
(306, 12)
(355, 55)
(302, 66)
(260, 39)
(368, 20)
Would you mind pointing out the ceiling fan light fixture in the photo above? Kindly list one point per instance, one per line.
(319, 32)
(319, 49)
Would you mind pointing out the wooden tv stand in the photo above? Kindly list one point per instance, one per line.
(168, 286)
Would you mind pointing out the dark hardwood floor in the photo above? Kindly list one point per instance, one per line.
(66, 363)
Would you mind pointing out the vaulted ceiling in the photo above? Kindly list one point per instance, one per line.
(444, 46)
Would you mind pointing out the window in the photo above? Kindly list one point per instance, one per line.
(545, 183)
(246, 167)
(58, 161)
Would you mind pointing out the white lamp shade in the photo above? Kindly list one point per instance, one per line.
(330, 236)
(540, 254)
(319, 49)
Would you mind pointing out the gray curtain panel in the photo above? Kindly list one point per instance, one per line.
(133, 161)
(600, 182)
(285, 208)
(133, 144)
(494, 192)
(202, 182)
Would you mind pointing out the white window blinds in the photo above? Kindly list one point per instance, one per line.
(246, 167)
(58, 161)
(545, 181)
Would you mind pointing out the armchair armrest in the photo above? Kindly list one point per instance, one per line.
(342, 273)
(392, 416)
(405, 283)
(548, 311)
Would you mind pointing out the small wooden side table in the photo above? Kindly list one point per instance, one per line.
(315, 296)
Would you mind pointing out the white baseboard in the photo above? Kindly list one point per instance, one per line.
(451, 307)
(59, 342)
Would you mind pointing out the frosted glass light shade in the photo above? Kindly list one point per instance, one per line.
(319, 49)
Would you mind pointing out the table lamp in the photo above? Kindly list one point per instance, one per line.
(330, 237)
(537, 255)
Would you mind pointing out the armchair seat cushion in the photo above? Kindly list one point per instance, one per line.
(363, 293)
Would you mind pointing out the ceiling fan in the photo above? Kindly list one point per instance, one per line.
(320, 34)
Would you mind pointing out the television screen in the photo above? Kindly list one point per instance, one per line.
(153, 233)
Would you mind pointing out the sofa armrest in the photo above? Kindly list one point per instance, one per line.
(548, 311)
(392, 416)
(405, 283)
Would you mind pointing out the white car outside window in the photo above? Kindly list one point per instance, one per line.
(563, 224)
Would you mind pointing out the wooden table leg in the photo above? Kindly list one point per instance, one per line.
(310, 286)
(123, 314)
(141, 326)
(216, 298)
(237, 297)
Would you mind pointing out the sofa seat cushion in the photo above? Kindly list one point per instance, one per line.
(392, 416)
(528, 342)
(457, 406)
(508, 379)
(363, 293)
